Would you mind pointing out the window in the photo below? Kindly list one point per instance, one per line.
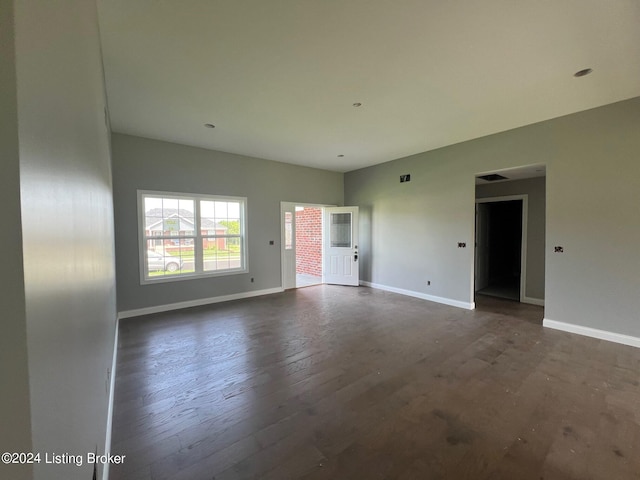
(288, 231)
(185, 236)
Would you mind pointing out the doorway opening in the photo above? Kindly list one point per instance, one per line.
(500, 256)
(319, 245)
(308, 245)
(510, 235)
(302, 244)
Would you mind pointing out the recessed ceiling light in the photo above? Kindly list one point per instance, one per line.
(357, 104)
(582, 73)
(209, 125)
(341, 155)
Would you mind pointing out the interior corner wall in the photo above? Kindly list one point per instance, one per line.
(145, 164)
(67, 230)
(411, 230)
(534, 188)
(15, 422)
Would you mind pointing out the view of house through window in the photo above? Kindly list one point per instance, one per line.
(190, 235)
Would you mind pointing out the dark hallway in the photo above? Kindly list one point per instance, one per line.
(503, 249)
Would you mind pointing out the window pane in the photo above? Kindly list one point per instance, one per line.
(169, 204)
(186, 209)
(221, 253)
(221, 210)
(153, 216)
(168, 216)
(228, 227)
(164, 259)
(220, 218)
(288, 230)
(207, 209)
(233, 209)
(153, 226)
(209, 223)
(341, 230)
(187, 217)
(183, 249)
(171, 225)
(153, 207)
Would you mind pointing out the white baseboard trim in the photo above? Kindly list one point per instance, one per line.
(533, 301)
(112, 385)
(593, 332)
(424, 296)
(196, 303)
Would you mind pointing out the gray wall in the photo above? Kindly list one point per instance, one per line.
(67, 228)
(15, 424)
(534, 188)
(411, 230)
(146, 164)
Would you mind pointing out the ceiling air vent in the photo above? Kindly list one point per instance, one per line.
(492, 177)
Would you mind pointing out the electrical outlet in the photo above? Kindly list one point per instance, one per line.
(251, 279)
(462, 244)
(428, 283)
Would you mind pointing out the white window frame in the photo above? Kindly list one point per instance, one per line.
(145, 279)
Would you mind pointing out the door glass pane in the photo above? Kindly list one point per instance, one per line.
(341, 230)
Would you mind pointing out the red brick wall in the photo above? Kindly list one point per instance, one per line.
(309, 241)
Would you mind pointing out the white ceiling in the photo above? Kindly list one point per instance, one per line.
(278, 77)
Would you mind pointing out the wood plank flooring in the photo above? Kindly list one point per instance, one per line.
(343, 383)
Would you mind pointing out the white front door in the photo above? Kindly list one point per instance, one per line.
(340, 238)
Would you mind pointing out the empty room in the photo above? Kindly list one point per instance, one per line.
(320, 239)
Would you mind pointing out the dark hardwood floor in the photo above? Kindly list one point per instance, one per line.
(343, 383)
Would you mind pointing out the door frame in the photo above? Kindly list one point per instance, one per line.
(283, 206)
(523, 242)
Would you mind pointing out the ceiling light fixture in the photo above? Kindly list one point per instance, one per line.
(209, 125)
(583, 72)
(357, 104)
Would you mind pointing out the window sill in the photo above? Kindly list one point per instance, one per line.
(191, 276)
